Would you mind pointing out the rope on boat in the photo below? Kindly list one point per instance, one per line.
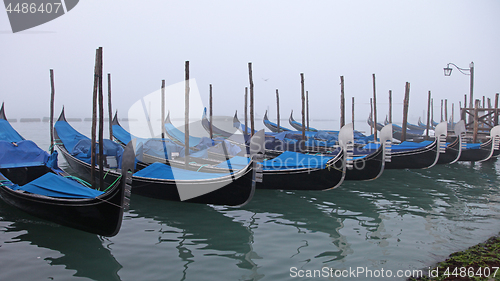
(112, 183)
(201, 167)
(79, 180)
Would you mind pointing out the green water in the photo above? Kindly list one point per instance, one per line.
(404, 221)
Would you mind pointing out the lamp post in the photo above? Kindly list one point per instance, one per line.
(466, 71)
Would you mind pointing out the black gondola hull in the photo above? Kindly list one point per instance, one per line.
(367, 168)
(477, 155)
(101, 215)
(414, 159)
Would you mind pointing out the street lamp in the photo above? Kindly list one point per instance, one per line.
(466, 71)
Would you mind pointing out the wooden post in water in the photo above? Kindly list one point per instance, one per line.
(307, 109)
(476, 120)
(246, 111)
(390, 106)
(352, 112)
(463, 113)
(211, 115)
(251, 99)
(303, 107)
(51, 123)
(371, 116)
(186, 112)
(428, 116)
(278, 109)
(162, 109)
(342, 102)
(432, 111)
(484, 102)
(101, 124)
(110, 109)
(94, 121)
(496, 109)
(405, 110)
(374, 108)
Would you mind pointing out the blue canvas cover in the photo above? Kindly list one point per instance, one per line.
(294, 160)
(472, 146)
(121, 134)
(24, 153)
(7, 133)
(82, 150)
(163, 171)
(57, 186)
(78, 145)
(68, 135)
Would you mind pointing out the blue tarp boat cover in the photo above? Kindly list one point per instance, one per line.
(78, 145)
(286, 160)
(24, 153)
(163, 171)
(57, 186)
(294, 160)
(164, 148)
(7, 133)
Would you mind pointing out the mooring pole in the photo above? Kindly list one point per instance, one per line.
(94, 121)
(101, 124)
(246, 111)
(374, 108)
(251, 99)
(405, 110)
(352, 111)
(371, 116)
(496, 109)
(476, 120)
(162, 109)
(303, 108)
(428, 116)
(278, 109)
(390, 106)
(342, 102)
(307, 109)
(186, 113)
(110, 109)
(211, 115)
(52, 95)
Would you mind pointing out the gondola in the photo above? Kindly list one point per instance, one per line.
(273, 127)
(432, 125)
(290, 170)
(423, 155)
(162, 181)
(479, 152)
(367, 164)
(31, 181)
(397, 131)
(298, 126)
(454, 148)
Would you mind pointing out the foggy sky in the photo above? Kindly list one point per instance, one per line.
(147, 41)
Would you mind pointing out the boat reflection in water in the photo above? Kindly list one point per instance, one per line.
(81, 254)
